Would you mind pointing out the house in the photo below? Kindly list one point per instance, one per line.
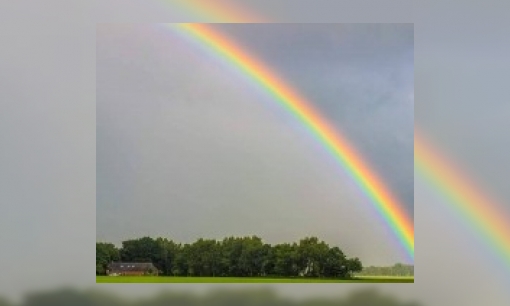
(131, 269)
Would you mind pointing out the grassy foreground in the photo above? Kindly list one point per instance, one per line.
(177, 279)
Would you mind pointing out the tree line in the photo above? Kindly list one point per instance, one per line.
(232, 256)
(398, 269)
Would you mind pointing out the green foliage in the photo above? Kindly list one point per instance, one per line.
(233, 257)
(144, 249)
(334, 263)
(353, 265)
(105, 254)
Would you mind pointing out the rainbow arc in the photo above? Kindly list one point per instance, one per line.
(295, 103)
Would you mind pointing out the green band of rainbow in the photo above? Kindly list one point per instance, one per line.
(381, 198)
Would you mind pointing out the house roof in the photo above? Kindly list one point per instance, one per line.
(131, 266)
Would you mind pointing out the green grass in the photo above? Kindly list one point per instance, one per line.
(177, 279)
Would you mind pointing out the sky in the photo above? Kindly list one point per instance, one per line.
(48, 136)
(187, 147)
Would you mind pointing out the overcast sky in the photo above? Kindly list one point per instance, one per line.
(48, 125)
(187, 148)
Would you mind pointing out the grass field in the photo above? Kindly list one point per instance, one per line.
(176, 279)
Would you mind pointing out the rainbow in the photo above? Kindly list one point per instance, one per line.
(482, 213)
(465, 195)
(217, 11)
(341, 149)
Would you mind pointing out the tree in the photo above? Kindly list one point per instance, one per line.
(312, 255)
(105, 254)
(252, 255)
(353, 265)
(233, 256)
(204, 257)
(232, 249)
(268, 264)
(286, 259)
(181, 265)
(139, 250)
(166, 252)
(160, 252)
(334, 263)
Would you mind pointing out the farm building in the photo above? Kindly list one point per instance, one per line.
(131, 269)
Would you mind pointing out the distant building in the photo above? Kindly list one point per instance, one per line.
(131, 269)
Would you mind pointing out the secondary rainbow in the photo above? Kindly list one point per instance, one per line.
(384, 202)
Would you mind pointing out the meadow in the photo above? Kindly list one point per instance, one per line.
(183, 279)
